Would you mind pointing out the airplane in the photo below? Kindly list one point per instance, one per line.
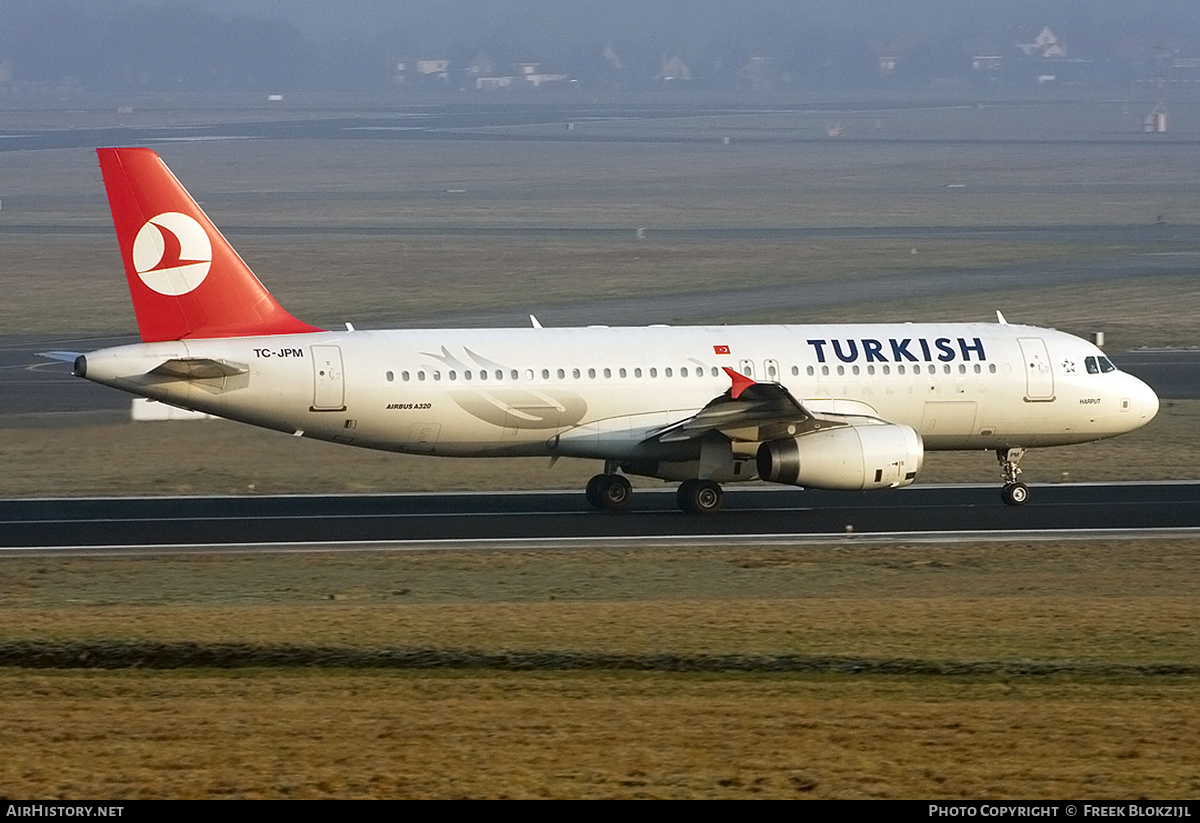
(844, 406)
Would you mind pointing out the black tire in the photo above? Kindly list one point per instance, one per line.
(614, 492)
(1014, 494)
(700, 497)
(592, 492)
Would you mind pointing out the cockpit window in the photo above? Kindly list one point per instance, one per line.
(1106, 365)
(1098, 365)
(1092, 366)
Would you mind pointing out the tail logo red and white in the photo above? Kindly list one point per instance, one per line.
(172, 253)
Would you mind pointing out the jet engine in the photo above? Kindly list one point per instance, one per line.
(875, 456)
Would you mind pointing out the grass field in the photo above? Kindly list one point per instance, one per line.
(1103, 616)
(1000, 670)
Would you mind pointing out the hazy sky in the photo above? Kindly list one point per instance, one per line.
(243, 44)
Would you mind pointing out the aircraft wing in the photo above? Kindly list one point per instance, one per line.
(748, 411)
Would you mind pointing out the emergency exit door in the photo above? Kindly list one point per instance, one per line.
(329, 388)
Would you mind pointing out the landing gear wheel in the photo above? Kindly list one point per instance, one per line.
(611, 492)
(699, 496)
(1014, 494)
(592, 492)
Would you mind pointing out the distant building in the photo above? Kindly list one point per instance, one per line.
(762, 73)
(1046, 45)
(420, 72)
(481, 65)
(532, 73)
(494, 83)
(1156, 121)
(888, 54)
(673, 69)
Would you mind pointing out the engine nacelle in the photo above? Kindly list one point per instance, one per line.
(850, 457)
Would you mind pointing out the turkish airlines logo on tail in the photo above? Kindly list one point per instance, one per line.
(172, 253)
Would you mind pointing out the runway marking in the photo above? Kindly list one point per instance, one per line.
(553, 543)
(199, 518)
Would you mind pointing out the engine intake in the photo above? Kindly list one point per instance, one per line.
(851, 457)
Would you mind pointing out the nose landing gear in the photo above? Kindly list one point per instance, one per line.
(1014, 493)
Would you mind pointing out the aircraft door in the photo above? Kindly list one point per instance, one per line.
(771, 371)
(1039, 376)
(746, 367)
(329, 389)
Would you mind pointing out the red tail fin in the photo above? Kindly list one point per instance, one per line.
(184, 277)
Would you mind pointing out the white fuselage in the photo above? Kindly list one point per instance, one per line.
(598, 392)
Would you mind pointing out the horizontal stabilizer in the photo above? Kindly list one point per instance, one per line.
(199, 368)
(61, 356)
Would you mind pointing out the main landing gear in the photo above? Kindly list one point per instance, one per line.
(699, 496)
(1014, 492)
(611, 492)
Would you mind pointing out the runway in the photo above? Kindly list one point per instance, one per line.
(754, 513)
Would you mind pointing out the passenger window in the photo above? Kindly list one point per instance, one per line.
(653, 372)
(811, 371)
(667, 371)
(390, 377)
(420, 375)
(561, 374)
(637, 372)
(545, 374)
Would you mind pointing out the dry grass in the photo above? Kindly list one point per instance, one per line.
(254, 734)
(282, 732)
(409, 191)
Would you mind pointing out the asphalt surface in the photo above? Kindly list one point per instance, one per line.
(537, 121)
(749, 513)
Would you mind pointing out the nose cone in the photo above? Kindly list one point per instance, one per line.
(1143, 403)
